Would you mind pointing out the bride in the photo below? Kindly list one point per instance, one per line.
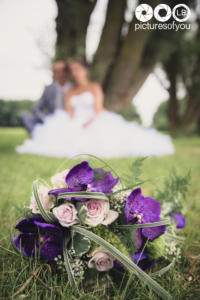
(87, 127)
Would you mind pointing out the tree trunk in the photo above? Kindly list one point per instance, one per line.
(198, 125)
(191, 117)
(110, 39)
(171, 70)
(71, 27)
(122, 76)
(139, 79)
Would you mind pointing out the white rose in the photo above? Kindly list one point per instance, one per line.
(98, 212)
(66, 214)
(45, 200)
(58, 180)
(101, 260)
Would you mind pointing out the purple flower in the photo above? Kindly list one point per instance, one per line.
(39, 238)
(144, 263)
(103, 181)
(179, 220)
(80, 175)
(77, 180)
(140, 209)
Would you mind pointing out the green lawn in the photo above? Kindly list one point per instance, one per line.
(17, 174)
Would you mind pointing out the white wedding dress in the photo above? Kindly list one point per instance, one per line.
(109, 135)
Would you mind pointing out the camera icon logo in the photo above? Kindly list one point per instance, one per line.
(144, 13)
(162, 12)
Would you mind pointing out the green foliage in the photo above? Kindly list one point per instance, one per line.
(174, 190)
(131, 114)
(82, 211)
(156, 248)
(111, 238)
(135, 172)
(160, 120)
(10, 111)
(80, 244)
(131, 267)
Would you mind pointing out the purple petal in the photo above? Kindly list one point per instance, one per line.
(56, 192)
(50, 232)
(179, 220)
(138, 256)
(49, 251)
(38, 236)
(81, 174)
(118, 265)
(151, 214)
(103, 181)
(153, 232)
(143, 263)
(151, 210)
(28, 226)
(26, 242)
(134, 204)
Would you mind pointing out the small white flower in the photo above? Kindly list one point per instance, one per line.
(58, 180)
(45, 200)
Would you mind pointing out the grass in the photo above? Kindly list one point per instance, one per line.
(21, 279)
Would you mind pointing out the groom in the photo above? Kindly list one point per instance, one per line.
(52, 97)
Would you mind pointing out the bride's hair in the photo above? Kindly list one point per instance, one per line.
(80, 61)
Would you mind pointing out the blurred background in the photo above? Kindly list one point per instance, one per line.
(150, 76)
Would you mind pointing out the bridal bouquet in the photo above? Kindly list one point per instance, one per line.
(88, 219)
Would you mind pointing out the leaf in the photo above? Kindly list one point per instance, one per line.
(80, 243)
(129, 187)
(48, 217)
(135, 226)
(164, 270)
(135, 171)
(175, 238)
(67, 263)
(131, 267)
(85, 195)
(27, 212)
(82, 211)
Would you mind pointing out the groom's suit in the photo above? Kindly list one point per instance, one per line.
(51, 99)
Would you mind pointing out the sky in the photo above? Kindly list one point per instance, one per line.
(27, 38)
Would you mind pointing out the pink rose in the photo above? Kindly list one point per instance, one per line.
(45, 200)
(99, 213)
(66, 214)
(101, 260)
